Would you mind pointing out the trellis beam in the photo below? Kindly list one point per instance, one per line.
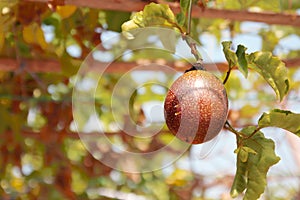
(54, 66)
(236, 15)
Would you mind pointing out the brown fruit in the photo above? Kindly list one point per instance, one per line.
(196, 107)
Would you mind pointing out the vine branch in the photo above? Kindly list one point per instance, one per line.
(188, 40)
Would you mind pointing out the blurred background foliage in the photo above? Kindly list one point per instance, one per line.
(41, 154)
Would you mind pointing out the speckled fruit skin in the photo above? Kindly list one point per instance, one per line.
(196, 107)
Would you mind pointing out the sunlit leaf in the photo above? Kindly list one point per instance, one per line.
(79, 182)
(152, 15)
(272, 69)
(2, 39)
(282, 119)
(165, 138)
(33, 34)
(252, 175)
(229, 54)
(158, 12)
(66, 11)
(17, 184)
(179, 177)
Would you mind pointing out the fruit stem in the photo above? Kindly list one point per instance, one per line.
(188, 40)
(228, 126)
(227, 76)
(193, 48)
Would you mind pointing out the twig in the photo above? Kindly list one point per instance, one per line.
(227, 75)
(188, 40)
(193, 48)
(230, 128)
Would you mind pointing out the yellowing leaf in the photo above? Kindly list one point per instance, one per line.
(158, 14)
(272, 69)
(152, 15)
(33, 34)
(69, 65)
(66, 11)
(2, 39)
(281, 119)
(17, 184)
(179, 177)
(79, 182)
(244, 153)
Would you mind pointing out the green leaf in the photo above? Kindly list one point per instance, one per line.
(242, 61)
(16, 123)
(181, 17)
(115, 19)
(272, 69)
(5, 119)
(179, 177)
(69, 65)
(152, 15)
(184, 5)
(229, 54)
(240, 179)
(282, 119)
(251, 175)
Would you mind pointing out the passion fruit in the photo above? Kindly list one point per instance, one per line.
(196, 107)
